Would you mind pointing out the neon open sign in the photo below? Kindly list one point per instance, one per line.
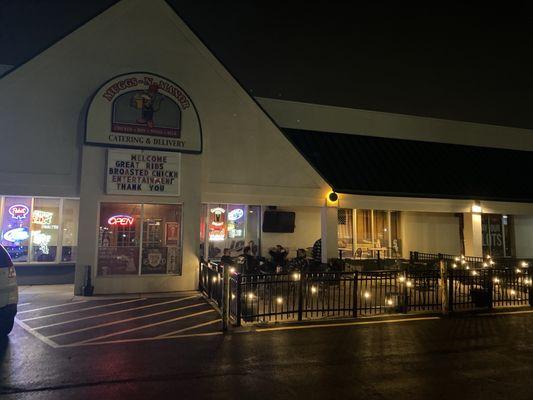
(121, 220)
(18, 211)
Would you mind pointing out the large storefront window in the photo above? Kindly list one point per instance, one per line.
(376, 233)
(39, 230)
(231, 226)
(139, 239)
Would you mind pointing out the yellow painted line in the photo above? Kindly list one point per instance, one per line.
(121, 321)
(148, 339)
(54, 306)
(335, 325)
(114, 312)
(36, 334)
(142, 327)
(495, 314)
(190, 328)
(81, 309)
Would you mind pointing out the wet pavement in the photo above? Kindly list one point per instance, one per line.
(470, 357)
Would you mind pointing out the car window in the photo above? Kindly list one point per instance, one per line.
(5, 260)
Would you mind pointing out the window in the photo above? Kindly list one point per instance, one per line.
(345, 229)
(377, 232)
(71, 210)
(39, 230)
(139, 239)
(232, 226)
(497, 232)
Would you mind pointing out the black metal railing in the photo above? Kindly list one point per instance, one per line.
(415, 287)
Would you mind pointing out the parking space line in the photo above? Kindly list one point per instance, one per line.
(142, 327)
(190, 328)
(125, 320)
(54, 306)
(147, 339)
(335, 325)
(23, 304)
(114, 312)
(82, 309)
(42, 338)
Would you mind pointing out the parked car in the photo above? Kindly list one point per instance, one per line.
(8, 293)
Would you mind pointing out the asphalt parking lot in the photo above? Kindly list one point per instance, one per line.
(73, 322)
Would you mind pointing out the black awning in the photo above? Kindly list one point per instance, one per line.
(359, 164)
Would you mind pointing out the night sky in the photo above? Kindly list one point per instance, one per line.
(465, 62)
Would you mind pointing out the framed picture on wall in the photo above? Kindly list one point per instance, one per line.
(172, 233)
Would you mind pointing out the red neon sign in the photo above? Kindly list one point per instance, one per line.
(121, 220)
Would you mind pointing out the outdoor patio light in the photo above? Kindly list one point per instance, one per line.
(333, 197)
(313, 289)
(232, 296)
(457, 258)
(296, 276)
(232, 270)
(454, 265)
(367, 295)
(513, 292)
(390, 302)
(485, 264)
(401, 278)
(525, 264)
(496, 280)
(250, 295)
(467, 267)
(518, 271)
(214, 279)
(409, 284)
(279, 300)
(474, 273)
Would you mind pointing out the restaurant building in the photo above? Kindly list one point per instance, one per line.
(128, 147)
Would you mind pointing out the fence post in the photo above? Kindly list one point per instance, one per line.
(238, 298)
(355, 297)
(450, 290)
(443, 286)
(225, 298)
(300, 297)
(530, 289)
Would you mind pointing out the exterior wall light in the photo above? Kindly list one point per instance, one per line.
(332, 199)
(476, 208)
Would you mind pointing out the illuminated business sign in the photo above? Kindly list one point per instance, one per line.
(16, 235)
(40, 217)
(217, 224)
(121, 220)
(18, 211)
(138, 172)
(146, 111)
(235, 214)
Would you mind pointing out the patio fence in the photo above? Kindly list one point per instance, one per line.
(426, 283)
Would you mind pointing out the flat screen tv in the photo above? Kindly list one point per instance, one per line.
(278, 221)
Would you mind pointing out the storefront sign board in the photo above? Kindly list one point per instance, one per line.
(137, 172)
(145, 111)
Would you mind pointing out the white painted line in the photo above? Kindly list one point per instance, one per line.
(23, 304)
(334, 325)
(81, 309)
(190, 328)
(114, 312)
(143, 327)
(57, 305)
(121, 321)
(148, 339)
(36, 334)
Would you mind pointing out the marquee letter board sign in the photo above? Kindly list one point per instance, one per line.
(146, 111)
(138, 172)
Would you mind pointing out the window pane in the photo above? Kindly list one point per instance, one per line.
(345, 229)
(396, 245)
(118, 239)
(44, 229)
(364, 233)
(16, 227)
(203, 214)
(381, 229)
(216, 228)
(253, 229)
(161, 250)
(70, 229)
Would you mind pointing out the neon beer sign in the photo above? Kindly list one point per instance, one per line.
(18, 211)
(121, 220)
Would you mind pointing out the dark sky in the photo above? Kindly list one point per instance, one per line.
(468, 62)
